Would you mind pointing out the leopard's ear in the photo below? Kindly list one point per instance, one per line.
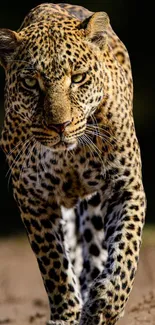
(9, 41)
(96, 28)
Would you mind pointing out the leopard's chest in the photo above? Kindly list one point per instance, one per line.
(78, 183)
(73, 180)
(66, 179)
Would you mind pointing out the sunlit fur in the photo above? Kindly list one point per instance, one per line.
(74, 159)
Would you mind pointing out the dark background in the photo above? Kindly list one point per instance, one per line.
(133, 21)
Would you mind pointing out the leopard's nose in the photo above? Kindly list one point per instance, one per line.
(59, 128)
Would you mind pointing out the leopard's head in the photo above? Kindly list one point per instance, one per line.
(54, 78)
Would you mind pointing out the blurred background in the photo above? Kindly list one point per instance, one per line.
(133, 23)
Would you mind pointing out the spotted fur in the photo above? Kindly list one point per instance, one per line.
(71, 146)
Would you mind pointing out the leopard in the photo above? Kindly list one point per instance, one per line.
(74, 158)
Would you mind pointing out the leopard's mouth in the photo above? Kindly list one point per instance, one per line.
(55, 141)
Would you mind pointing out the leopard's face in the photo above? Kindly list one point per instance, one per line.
(55, 83)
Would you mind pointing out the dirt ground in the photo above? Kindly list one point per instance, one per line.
(23, 300)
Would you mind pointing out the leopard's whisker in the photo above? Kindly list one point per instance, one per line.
(42, 162)
(15, 147)
(17, 158)
(104, 138)
(28, 156)
(36, 144)
(105, 132)
(86, 141)
(94, 148)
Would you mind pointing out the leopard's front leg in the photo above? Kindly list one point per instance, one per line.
(45, 232)
(123, 222)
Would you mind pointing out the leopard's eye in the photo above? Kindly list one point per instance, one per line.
(29, 82)
(78, 78)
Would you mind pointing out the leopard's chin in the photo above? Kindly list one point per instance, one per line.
(61, 146)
